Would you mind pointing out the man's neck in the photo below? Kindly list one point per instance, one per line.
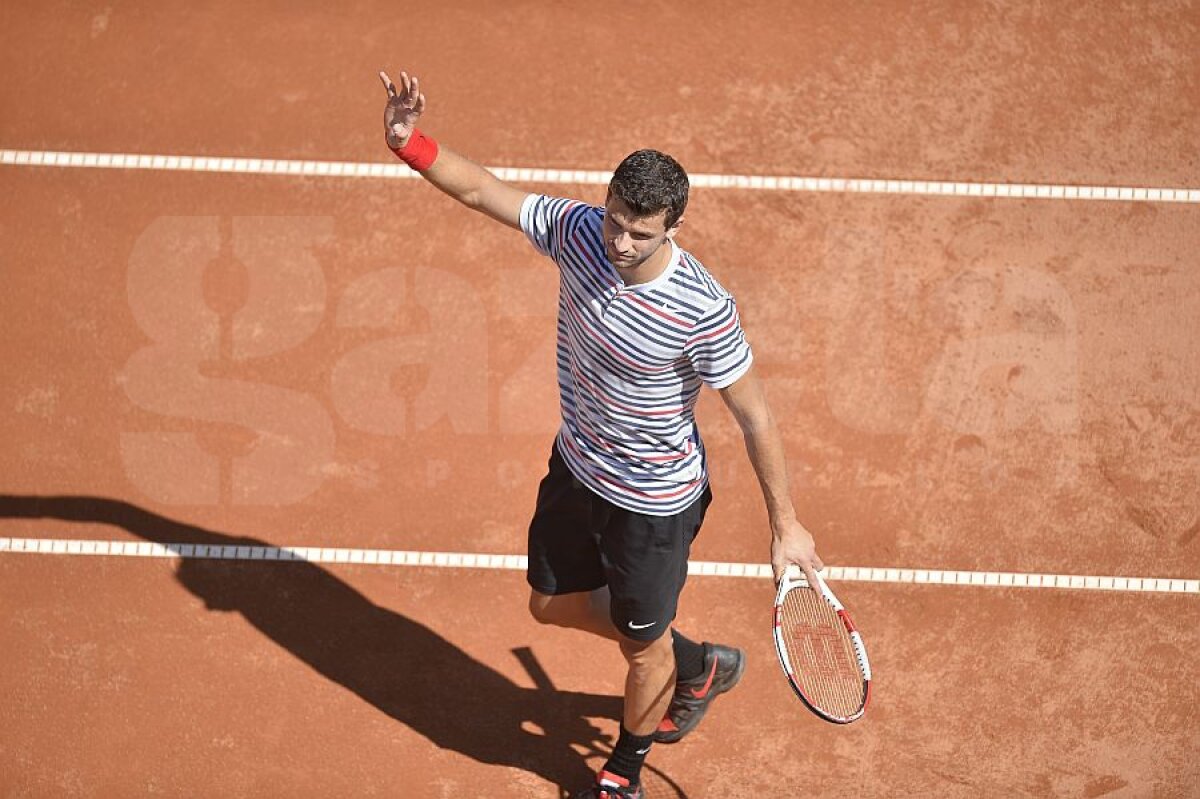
(651, 268)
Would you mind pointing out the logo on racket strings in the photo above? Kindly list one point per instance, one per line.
(822, 652)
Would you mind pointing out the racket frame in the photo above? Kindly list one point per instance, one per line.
(794, 579)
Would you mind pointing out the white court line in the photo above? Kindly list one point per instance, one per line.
(470, 560)
(835, 185)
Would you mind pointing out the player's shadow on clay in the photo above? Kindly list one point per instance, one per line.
(399, 665)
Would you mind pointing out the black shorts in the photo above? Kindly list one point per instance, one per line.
(579, 541)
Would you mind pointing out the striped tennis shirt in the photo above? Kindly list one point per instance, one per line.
(631, 361)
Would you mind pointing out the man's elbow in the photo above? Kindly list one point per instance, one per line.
(757, 424)
(472, 198)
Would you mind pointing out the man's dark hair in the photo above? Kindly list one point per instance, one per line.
(649, 182)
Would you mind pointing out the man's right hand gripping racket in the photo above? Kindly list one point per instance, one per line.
(820, 651)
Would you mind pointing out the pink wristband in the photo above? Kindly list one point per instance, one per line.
(419, 153)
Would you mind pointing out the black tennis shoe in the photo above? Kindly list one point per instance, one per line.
(723, 667)
(611, 786)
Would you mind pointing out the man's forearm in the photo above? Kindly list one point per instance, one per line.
(764, 446)
(458, 176)
(474, 186)
(791, 543)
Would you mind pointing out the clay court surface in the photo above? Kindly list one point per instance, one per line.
(977, 385)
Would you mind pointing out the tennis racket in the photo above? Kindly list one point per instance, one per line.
(819, 650)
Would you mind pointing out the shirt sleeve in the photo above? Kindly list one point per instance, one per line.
(545, 220)
(717, 347)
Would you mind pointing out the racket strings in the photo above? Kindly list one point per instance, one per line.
(824, 661)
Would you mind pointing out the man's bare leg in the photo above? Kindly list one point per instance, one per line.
(649, 683)
(651, 677)
(585, 610)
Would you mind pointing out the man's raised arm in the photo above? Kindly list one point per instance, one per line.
(461, 178)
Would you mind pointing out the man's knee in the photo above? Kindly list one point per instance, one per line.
(565, 610)
(541, 607)
(658, 649)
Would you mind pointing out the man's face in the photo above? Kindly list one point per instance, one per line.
(629, 240)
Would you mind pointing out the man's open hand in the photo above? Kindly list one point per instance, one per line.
(405, 106)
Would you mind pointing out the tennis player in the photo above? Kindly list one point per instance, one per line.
(642, 326)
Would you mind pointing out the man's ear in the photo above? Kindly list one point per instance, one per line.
(675, 228)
